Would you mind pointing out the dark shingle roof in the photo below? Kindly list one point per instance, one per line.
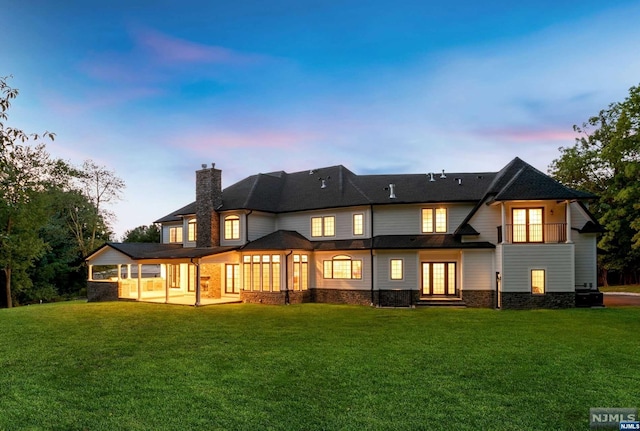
(138, 250)
(176, 215)
(279, 240)
(425, 241)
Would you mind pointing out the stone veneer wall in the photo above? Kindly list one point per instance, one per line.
(336, 296)
(212, 275)
(479, 298)
(526, 300)
(275, 298)
(208, 198)
(98, 291)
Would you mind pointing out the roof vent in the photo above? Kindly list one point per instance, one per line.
(392, 191)
(431, 175)
(459, 180)
(204, 166)
(443, 176)
(213, 165)
(323, 182)
(311, 172)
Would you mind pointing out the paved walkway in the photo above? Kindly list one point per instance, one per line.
(621, 299)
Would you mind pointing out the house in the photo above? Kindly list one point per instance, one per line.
(515, 238)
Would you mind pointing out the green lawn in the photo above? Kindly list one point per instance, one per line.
(133, 366)
(633, 288)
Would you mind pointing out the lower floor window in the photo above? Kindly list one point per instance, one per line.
(174, 276)
(300, 272)
(537, 281)
(438, 278)
(261, 273)
(342, 267)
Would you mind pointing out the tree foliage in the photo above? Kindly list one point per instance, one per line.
(605, 161)
(143, 233)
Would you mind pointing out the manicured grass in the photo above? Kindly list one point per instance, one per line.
(633, 288)
(133, 366)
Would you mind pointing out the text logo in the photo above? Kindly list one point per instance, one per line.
(612, 417)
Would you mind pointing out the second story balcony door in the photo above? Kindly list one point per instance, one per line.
(527, 225)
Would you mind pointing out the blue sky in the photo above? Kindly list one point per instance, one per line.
(153, 89)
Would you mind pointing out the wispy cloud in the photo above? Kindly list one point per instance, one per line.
(204, 142)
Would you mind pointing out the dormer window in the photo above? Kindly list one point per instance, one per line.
(434, 220)
(175, 234)
(232, 227)
(191, 230)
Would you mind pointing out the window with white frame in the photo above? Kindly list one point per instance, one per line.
(191, 230)
(232, 227)
(342, 267)
(396, 269)
(358, 224)
(434, 220)
(323, 226)
(538, 281)
(175, 234)
(261, 273)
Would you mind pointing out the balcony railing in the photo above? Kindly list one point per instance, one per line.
(547, 233)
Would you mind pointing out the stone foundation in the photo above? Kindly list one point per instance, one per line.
(335, 296)
(98, 291)
(479, 298)
(526, 300)
(275, 298)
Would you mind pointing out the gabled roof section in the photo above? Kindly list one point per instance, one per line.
(528, 183)
(279, 240)
(140, 250)
(178, 214)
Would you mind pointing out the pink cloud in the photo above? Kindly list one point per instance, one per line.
(259, 139)
(528, 135)
(170, 49)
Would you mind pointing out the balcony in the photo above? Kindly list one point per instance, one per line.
(547, 233)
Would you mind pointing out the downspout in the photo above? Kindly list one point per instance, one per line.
(198, 294)
(286, 278)
(246, 226)
(371, 256)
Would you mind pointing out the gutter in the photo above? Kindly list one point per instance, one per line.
(286, 278)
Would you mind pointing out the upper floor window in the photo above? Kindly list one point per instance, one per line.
(342, 267)
(175, 234)
(191, 230)
(232, 227)
(323, 226)
(358, 224)
(527, 224)
(434, 220)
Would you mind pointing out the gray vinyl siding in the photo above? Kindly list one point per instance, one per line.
(407, 219)
(109, 256)
(383, 268)
(556, 259)
(485, 221)
(477, 270)
(260, 224)
(301, 222)
(347, 284)
(586, 259)
(578, 218)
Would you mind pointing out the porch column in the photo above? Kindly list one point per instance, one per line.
(90, 274)
(139, 282)
(568, 217)
(198, 283)
(166, 284)
(504, 222)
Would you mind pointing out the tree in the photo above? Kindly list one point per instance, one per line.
(89, 217)
(605, 161)
(143, 233)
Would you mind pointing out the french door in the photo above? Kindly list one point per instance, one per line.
(439, 278)
(232, 278)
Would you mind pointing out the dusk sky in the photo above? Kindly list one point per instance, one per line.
(153, 89)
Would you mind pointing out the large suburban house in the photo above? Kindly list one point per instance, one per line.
(509, 239)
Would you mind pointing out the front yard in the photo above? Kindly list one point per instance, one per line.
(135, 366)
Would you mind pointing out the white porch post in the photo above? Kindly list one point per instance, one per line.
(139, 282)
(198, 294)
(504, 222)
(568, 217)
(166, 284)
(90, 274)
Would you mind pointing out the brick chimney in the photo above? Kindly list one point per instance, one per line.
(208, 198)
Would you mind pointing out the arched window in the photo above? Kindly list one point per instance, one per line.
(232, 227)
(342, 266)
